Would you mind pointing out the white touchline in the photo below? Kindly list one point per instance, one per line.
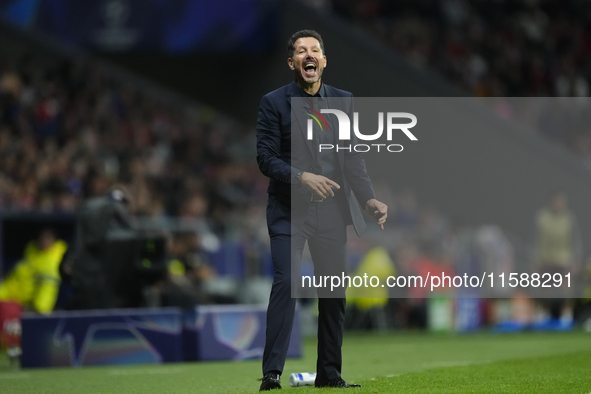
(162, 371)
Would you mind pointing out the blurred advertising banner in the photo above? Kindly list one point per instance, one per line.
(180, 26)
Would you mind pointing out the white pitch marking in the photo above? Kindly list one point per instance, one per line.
(163, 371)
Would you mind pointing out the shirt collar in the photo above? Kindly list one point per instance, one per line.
(320, 94)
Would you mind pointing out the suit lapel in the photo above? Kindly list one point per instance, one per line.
(300, 119)
(335, 131)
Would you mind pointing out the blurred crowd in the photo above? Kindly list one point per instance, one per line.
(421, 241)
(69, 130)
(490, 48)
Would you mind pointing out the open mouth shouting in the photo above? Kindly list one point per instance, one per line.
(310, 68)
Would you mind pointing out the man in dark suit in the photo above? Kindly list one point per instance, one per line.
(312, 198)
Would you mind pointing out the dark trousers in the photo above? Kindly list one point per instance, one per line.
(325, 231)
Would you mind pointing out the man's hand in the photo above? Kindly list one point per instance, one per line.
(319, 184)
(378, 210)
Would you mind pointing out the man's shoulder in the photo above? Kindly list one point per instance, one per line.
(279, 92)
(331, 91)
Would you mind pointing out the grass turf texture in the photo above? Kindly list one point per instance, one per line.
(390, 363)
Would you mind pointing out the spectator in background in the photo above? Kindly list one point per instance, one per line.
(33, 285)
(91, 276)
(34, 282)
(366, 302)
(558, 245)
(188, 270)
(427, 263)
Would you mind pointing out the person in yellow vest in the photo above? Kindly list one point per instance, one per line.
(558, 240)
(558, 249)
(370, 301)
(35, 280)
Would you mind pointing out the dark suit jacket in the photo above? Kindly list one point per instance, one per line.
(281, 155)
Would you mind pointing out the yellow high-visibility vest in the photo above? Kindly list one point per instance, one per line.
(34, 282)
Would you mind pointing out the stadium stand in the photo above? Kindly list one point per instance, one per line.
(69, 131)
(72, 126)
(489, 48)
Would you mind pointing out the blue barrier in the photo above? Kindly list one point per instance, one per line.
(123, 336)
(230, 332)
(147, 336)
(468, 314)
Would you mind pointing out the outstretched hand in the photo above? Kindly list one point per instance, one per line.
(378, 210)
(319, 184)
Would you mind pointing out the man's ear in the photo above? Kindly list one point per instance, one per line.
(290, 63)
(325, 62)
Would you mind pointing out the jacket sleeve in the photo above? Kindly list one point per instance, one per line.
(356, 172)
(270, 144)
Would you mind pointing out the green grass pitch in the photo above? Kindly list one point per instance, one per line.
(382, 363)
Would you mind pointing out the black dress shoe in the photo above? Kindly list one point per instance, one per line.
(338, 383)
(270, 381)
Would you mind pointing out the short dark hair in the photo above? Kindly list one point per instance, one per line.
(300, 34)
